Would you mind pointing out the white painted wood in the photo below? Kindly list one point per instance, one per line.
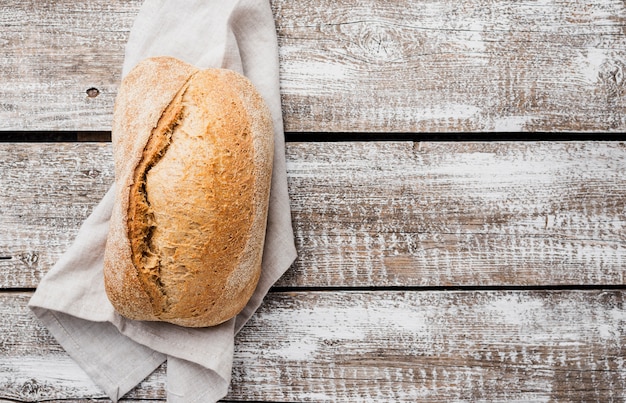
(382, 66)
(52, 53)
(454, 66)
(382, 214)
(378, 346)
(375, 214)
(45, 197)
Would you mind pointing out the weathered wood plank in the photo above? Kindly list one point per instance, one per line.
(384, 66)
(379, 346)
(47, 191)
(448, 65)
(375, 214)
(52, 53)
(432, 214)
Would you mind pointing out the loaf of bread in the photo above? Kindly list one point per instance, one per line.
(193, 156)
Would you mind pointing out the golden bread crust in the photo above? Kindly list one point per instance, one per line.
(193, 171)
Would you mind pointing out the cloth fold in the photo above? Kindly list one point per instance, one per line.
(70, 301)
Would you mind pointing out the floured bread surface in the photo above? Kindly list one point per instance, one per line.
(196, 206)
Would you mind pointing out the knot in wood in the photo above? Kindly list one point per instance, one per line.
(32, 390)
(30, 258)
(92, 92)
(612, 76)
(377, 42)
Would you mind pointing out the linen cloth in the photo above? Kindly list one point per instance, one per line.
(70, 301)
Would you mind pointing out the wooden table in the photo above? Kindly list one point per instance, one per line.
(457, 176)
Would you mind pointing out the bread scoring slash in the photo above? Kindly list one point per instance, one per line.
(193, 153)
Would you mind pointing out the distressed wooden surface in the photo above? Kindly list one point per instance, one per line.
(378, 346)
(375, 66)
(374, 213)
(531, 234)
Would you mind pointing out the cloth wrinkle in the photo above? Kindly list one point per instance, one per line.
(88, 367)
(118, 353)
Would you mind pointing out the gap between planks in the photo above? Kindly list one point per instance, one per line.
(338, 137)
(359, 289)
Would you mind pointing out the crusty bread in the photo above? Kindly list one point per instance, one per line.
(193, 158)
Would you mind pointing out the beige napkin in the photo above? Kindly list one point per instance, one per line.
(70, 301)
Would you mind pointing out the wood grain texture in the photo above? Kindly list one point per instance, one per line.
(446, 65)
(374, 213)
(47, 192)
(52, 53)
(378, 346)
(433, 214)
(375, 66)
